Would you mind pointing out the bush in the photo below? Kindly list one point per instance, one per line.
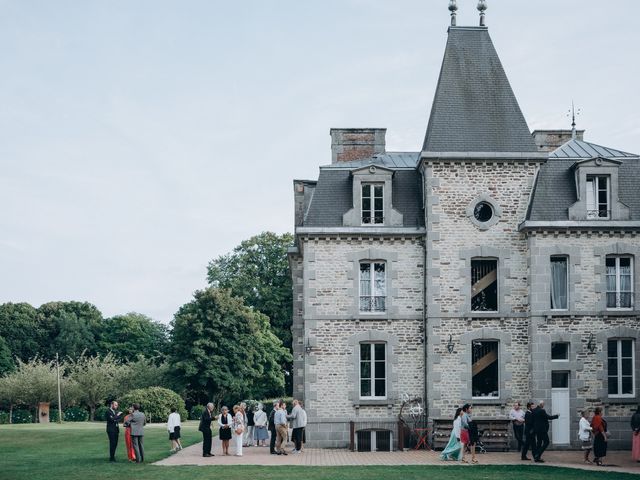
(4, 417)
(155, 402)
(53, 414)
(196, 412)
(75, 414)
(268, 404)
(21, 416)
(101, 414)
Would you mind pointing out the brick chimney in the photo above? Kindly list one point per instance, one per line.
(549, 140)
(349, 144)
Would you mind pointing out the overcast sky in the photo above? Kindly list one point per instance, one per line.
(140, 139)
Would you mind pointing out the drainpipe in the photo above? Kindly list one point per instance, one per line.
(424, 295)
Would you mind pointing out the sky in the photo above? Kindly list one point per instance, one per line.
(139, 139)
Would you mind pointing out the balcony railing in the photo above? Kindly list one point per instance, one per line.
(620, 300)
(598, 214)
(374, 304)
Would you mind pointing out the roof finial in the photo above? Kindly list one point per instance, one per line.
(453, 8)
(573, 113)
(482, 6)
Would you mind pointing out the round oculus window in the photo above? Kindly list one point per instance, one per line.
(483, 212)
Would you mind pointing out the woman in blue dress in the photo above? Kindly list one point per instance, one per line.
(453, 450)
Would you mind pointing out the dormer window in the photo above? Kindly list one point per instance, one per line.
(372, 203)
(598, 205)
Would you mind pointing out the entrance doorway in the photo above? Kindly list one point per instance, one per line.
(560, 428)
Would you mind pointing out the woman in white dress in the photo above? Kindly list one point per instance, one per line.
(453, 450)
(584, 433)
(238, 428)
(260, 426)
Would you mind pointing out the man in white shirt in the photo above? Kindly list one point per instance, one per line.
(516, 415)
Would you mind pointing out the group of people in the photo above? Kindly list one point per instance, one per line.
(531, 429)
(134, 422)
(464, 435)
(246, 426)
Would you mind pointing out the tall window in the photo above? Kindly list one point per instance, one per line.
(373, 287)
(373, 370)
(485, 369)
(619, 282)
(620, 368)
(559, 283)
(484, 285)
(372, 203)
(598, 196)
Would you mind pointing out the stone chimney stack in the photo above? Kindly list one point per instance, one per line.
(349, 144)
(549, 140)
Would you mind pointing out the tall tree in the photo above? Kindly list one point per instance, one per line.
(72, 328)
(38, 382)
(258, 271)
(10, 392)
(6, 360)
(133, 334)
(22, 328)
(223, 348)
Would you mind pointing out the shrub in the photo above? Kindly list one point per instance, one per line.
(4, 417)
(196, 412)
(22, 416)
(155, 402)
(53, 414)
(268, 404)
(101, 413)
(75, 414)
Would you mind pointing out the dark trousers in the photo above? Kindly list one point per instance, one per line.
(542, 442)
(272, 441)
(206, 441)
(297, 438)
(113, 443)
(136, 441)
(518, 431)
(529, 443)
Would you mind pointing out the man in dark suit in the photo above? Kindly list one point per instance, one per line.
(272, 428)
(529, 438)
(205, 427)
(113, 430)
(137, 423)
(541, 429)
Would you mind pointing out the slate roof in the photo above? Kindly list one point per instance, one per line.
(475, 109)
(555, 189)
(333, 196)
(393, 160)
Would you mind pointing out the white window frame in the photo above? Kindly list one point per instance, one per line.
(619, 360)
(566, 259)
(568, 344)
(594, 209)
(373, 378)
(617, 290)
(373, 217)
(372, 268)
(488, 397)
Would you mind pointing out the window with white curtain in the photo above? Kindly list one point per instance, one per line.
(619, 278)
(621, 371)
(559, 282)
(598, 197)
(373, 287)
(373, 370)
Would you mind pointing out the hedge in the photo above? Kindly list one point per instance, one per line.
(21, 416)
(155, 402)
(4, 417)
(101, 414)
(75, 414)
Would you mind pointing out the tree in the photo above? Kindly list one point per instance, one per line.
(258, 271)
(133, 334)
(96, 379)
(6, 360)
(37, 382)
(10, 392)
(144, 373)
(72, 328)
(22, 328)
(221, 348)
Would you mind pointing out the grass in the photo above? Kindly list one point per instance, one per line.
(80, 452)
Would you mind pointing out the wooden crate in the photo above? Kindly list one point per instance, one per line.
(495, 433)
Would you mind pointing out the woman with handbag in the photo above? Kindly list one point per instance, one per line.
(238, 428)
(225, 422)
(599, 429)
(635, 439)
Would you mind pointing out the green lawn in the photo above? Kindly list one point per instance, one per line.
(80, 452)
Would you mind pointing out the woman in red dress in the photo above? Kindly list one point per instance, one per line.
(131, 453)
